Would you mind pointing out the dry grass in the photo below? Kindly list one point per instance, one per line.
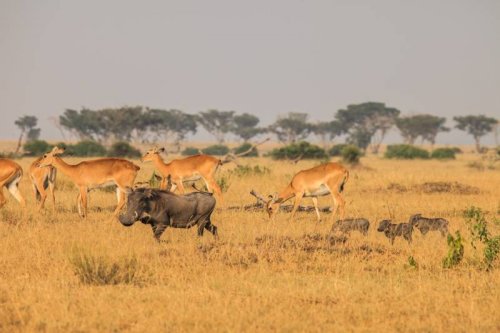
(62, 274)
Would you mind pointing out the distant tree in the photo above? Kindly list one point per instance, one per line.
(218, 123)
(27, 125)
(173, 125)
(84, 124)
(425, 126)
(477, 126)
(120, 123)
(324, 129)
(291, 128)
(361, 122)
(245, 126)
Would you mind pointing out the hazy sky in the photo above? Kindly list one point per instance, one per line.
(262, 57)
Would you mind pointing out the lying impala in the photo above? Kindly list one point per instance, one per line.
(95, 173)
(43, 179)
(321, 180)
(10, 176)
(190, 168)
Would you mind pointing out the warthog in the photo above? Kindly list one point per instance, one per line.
(392, 230)
(425, 224)
(348, 225)
(162, 209)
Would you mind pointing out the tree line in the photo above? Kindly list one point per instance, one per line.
(364, 125)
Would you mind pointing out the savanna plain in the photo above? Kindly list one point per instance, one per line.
(59, 273)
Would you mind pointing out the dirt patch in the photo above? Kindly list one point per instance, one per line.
(435, 187)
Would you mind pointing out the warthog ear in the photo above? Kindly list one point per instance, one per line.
(128, 190)
(150, 194)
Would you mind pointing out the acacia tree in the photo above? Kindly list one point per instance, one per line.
(361, 122)
(477, 126)
(218, 123)
(27, 126)
(324, 129)
(425, 126)
(291, 128)
(245, 126)
(173, 125)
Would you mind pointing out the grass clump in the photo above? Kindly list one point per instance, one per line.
(100, 270)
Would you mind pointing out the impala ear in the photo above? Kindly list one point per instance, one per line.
(57, 150)
(161, 150)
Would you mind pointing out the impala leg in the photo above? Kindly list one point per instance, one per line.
(212, 184)
(163, 183)
(180, 185)
(315, 203)
(2, 197)
(83, 201)
(14, 190)
(121, 200)
(42, 193)
(51, 189)
(298, 198)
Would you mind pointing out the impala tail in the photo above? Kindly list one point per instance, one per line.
(344, 180)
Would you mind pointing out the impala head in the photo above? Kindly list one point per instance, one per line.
(48, 158)
(138, 205)
(150, 154)
(273, 205)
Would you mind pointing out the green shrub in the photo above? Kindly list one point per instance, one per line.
(336, 150)
(244, 147)
(408, 152)
(443, 153)
(302, 149)
(455, 250)
(478, 227)
(247, 170)
(36, 147)
(218, 150)
(189, 151)
(123, 149)
(351, 154)
(86, 148)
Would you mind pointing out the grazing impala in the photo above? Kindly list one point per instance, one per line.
(321, 180)
(10, 176)
(187, 169)
(43, 179)
(95, 173)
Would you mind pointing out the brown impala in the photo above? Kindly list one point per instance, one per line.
(321, 180)
(10, 176)
(186, 169)
(95, 173)
(43, 179)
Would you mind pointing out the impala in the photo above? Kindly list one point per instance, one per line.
(187, 169)
(92, 174)
(10, 176)
(43, 179)
(321, 180)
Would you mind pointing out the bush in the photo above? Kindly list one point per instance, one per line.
(351, 154)
(244, 147)
(123, 149)
(190, 151)
(36, 147)
(218, 150)
(295, 150)
(86, 148)
(443, 153)
(336, 150)
(407, 152)
(455, 250)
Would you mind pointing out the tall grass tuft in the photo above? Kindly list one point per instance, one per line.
(100, 270)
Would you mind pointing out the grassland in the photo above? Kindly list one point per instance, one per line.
(260, 275)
